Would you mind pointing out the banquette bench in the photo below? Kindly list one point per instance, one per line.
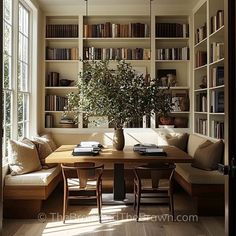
(24, 194)
(205, 186)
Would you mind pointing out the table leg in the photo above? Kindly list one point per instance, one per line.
(119, 182)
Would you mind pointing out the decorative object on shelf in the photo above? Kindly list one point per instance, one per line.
(204, 82)
(166, 120)
(181, 122)
(167, 77)
(65, 82)
(119, 94)
(184, 102)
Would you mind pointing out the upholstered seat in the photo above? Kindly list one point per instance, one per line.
(197, 176)
(38, 178)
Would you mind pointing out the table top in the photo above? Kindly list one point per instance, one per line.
(107, 155)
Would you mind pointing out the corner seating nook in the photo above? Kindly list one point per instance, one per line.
(206, 187)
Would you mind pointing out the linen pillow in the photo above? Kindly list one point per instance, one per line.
(44, 150)
(48, 138)
(179, 141)
(23, 157)
(208, 155)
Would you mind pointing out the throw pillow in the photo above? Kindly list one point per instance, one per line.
(23, 157)
(48, 138)
(44, 150)
(179, 141)
(208, 155)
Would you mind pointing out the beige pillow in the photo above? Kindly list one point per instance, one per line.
(23, 157)
(179, 141)
(44, 150)
(208, 155)
(48, 138)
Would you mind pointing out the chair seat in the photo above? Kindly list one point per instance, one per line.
(74, 184)
(164, 184)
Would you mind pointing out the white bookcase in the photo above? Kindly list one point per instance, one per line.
(208, 69)
(69, 68)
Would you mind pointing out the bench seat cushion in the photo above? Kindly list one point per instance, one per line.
(38, 178)
(197, 176)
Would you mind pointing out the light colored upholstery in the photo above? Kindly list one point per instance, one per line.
(37, 178)
(193, 142)
(197, 176)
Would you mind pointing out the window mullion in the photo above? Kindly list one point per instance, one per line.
(15, 68)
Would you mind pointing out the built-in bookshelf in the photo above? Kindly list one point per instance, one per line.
(61, 66)
(172, 56)
(208, 69)
(164, 52)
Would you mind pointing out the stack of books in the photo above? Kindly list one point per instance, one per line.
(149, 150)
(91, 148)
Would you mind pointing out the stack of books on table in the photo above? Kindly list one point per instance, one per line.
(87, 149)
(149, 150)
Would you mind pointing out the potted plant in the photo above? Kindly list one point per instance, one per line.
(120, 94)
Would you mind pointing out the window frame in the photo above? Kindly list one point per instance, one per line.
(31, 115)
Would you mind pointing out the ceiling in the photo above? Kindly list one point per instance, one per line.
(45, 3)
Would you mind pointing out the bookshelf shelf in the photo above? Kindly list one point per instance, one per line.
(116, 39)
(217, 113)
(201, 67)
(61, 61)
(177, 39)
(173, 61)
(62, 88)
(218, 62)
(62, 39)
(200, 44)
(208, 116)
(200, 90)
(217, 87)
(218, 33)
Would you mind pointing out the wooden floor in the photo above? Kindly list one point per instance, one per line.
(117, 220)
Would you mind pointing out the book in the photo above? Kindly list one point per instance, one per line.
(138, 147)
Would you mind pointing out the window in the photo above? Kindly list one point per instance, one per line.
(17, 70)
(7, 74)
(23, 73)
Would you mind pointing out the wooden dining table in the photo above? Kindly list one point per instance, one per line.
(118, 158)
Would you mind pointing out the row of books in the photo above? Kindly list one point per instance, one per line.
(62, 53)
(217, 21)
(201, 102)
(217, 101)
(217, 76)
(172, 30)
(217, 51)
(53, 79)
(202, 126)
(172, 53)
(62, 31)
(200, 58)
(111, 30)
(49, 121)
(200, 33)
(92, 53)
(55, 103)
(217, 129)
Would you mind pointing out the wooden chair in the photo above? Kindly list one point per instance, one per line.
(82, 177)
(153, 179)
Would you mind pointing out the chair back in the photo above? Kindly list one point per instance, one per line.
(84, 171)
(155, 173)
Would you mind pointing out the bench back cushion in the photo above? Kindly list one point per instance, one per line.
(23, 157)
(193, 143)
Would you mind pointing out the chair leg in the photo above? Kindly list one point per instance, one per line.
(64, 204)
(135, 195)
(138, 204)
(172, 205)
(99, 203)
